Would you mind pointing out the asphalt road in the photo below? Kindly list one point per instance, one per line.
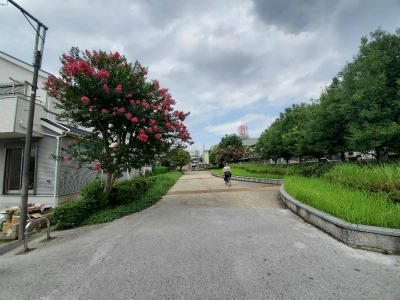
(200, 242)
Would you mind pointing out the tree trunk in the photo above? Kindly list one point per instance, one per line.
(109, 182)
(342, 156)
(378, 154)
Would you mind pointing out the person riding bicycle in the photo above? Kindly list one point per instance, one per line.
(227, 172)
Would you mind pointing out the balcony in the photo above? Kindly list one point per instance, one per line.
(14, 107)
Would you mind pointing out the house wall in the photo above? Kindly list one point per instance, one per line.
(71, 178)
(2, 166)
(45, 166)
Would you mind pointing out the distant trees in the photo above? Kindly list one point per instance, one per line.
(178, 157)
(358, 111)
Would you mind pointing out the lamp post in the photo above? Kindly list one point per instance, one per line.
(37, 62)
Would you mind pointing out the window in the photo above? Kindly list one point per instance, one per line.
(13, 172)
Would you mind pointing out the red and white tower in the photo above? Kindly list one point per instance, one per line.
(243, 131)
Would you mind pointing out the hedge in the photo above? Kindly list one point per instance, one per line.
(129, 190)
(73, 213)
(94, 199)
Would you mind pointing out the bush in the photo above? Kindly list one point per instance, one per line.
(160, 170)
(129, 190)
(93, 192)
(72, 214)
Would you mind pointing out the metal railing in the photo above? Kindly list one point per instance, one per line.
(32, 222)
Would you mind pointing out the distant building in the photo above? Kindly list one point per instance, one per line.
(195, 154)
(249, 142)
(206, 157)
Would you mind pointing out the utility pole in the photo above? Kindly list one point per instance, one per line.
(37, 62)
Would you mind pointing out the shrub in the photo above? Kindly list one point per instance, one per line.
(93, 192)
(162, 183)
(129, 190)
(160, 170)
(72, 214)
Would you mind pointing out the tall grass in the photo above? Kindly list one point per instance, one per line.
(305, 169)
(376, 178)
(354, 206)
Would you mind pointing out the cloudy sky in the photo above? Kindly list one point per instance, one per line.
(226, 62)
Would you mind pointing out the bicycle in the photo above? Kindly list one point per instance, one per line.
(228, 182)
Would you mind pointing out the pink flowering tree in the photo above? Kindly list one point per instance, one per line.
(130, 118)
(229, 154)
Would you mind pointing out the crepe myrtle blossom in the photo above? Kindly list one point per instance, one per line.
(105, 87)
(103, 92)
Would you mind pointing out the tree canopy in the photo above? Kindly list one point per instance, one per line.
(358, 111)
(130, 118)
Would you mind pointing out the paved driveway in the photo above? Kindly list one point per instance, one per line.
(201, 242)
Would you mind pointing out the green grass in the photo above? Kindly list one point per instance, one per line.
(304, 169)
(161, 186)
(243, 172)
(377, 178)
(354, 206)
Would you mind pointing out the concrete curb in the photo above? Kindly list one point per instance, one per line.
(253, 179)
(355, 235)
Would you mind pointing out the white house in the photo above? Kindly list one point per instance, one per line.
(51, 181)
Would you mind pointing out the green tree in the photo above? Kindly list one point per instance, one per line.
(131, 119)
(270, 145)
(230, 140)
(371, 88)
(326, 129)
(178, 157)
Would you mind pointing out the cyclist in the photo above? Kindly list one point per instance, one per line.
(227, 173)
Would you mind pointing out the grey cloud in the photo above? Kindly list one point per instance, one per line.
(294, 16)
(245, 56)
